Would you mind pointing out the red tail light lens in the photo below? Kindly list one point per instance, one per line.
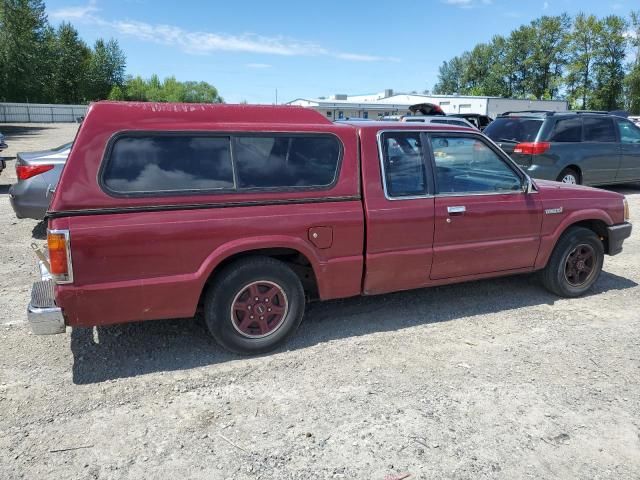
(532, 148)
(28, 171)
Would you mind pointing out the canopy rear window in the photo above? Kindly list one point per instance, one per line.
(169, 163)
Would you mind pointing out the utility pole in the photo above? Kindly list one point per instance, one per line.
(276, 96)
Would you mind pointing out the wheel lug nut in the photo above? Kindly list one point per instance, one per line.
(266, 300)
(251, 317)
(261, 318)
(257, 299)
(268, 309)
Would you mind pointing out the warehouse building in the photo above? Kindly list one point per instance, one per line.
(388, 103)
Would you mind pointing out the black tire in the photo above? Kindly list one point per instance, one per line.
(231, 282)
(564, 280)
(568, 173)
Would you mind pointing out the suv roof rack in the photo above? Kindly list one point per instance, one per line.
(617, 113)
(597, 112)
(545, 112)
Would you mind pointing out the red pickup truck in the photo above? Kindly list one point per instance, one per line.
(246, 212)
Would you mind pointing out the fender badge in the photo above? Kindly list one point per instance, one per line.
(551, 211)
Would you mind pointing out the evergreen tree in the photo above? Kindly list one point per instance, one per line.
(106, 70)
(23, 28)
(70, 70)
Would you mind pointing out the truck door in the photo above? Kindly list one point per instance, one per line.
(399, 210)
(484, 221)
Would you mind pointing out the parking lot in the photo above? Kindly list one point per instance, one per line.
(491, 379)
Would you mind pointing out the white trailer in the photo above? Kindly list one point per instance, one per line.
(494, 106)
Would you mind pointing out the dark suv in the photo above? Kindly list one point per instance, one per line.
(590, 148)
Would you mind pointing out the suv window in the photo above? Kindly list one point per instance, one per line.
(629, 133)
(167, 163)
(567, 130)
(281, 161)
(515, 129)
(467, 165)
(403, 164)
(599, 130)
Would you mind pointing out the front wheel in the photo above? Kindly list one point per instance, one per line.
(255, 305)
(575, 263)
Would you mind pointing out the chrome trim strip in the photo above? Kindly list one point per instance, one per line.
(69, 276)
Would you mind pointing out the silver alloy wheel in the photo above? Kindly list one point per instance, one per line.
(570, 178)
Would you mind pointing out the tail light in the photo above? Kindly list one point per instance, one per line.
(59, 246)
(532, 148)
(27, 171)
(627, 214)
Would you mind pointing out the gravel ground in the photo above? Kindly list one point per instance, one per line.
(493, 379)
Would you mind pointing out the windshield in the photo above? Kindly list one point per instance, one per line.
(513, 129)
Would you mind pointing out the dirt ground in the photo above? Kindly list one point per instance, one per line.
(493, 379)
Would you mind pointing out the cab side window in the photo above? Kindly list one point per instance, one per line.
(629, 133)
(466, 165)
(403, 164)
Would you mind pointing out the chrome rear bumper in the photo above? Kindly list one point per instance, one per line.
(44, 316)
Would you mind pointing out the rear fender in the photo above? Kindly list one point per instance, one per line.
(243, 245)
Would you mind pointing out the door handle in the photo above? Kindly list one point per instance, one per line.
(458, 210)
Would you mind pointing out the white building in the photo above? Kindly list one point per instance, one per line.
(376, 105)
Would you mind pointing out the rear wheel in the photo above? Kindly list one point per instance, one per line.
(255, 305)
(575, 263)
(570, 176)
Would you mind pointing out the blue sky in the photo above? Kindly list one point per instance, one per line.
(304, 49)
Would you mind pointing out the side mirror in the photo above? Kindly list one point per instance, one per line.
(527, 186)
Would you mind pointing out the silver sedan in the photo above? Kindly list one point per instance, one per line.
(38, 174)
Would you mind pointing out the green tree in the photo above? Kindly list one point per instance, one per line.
(449, 77)
(610, 64)
(168, 90)
(23, 27)
(518, 61)
(106, 69)
(583, 44)
(201, 92)
(632, 80)
(549, 55)
(70, 68)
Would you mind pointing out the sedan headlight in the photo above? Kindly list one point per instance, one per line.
(627, 215)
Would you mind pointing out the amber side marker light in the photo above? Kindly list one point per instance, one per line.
(60, 255)
(627, 214)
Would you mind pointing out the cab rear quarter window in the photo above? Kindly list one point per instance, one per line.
(169, 163)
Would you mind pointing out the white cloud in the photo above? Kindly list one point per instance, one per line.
(75, 13)
(356, 57)
(545, 5)
(460, 3)
(198, 42)
(468, 3)
(258, 65)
